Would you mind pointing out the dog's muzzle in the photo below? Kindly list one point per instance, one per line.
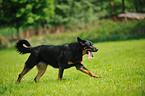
(95, 49)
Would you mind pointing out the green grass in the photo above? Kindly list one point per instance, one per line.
(121, 64)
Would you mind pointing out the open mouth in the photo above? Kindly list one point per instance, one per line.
(89, 52)
(90, 55)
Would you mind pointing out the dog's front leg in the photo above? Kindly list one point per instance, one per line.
(60, 75)
(85, 70)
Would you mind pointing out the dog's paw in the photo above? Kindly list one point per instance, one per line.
(97, 76)
(17, 82)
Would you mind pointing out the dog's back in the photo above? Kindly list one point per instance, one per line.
(51, 54)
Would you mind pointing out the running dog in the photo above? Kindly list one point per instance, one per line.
(58, 56)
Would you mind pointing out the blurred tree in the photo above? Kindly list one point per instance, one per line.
(139, 5)
(120, 6)
(70, 12)
(17, 13)
(123, 6)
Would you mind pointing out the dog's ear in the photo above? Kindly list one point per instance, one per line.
(80, 41)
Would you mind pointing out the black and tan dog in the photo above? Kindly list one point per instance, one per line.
(60, 56)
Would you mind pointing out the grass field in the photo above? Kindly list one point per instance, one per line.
(121, 64)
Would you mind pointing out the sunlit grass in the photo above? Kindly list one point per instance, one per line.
(121, 64)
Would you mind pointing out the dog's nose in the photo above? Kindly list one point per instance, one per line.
(95, 49)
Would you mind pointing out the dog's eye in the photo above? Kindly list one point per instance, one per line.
(91, 44)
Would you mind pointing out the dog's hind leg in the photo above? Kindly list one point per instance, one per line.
(41, 70)
(25, 70)
(30, 63)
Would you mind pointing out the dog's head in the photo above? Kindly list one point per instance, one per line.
(88, 47)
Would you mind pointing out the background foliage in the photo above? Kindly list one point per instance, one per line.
(23, 13)
(105, 30)
(19, 15)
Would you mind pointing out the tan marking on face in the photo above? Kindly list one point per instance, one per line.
(85, 51)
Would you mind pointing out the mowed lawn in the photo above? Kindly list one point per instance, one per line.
(121, 64)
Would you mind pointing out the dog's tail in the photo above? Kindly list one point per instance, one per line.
(21, 49)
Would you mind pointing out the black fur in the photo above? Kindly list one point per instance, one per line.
(21, 48)
(57, 56)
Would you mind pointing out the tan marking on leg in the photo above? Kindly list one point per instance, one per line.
(25, 70)
(70, 62)
(60, 74)
(92, 74)
(88, 72)
(41, 70)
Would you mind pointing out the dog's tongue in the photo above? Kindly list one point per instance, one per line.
(89, 55)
